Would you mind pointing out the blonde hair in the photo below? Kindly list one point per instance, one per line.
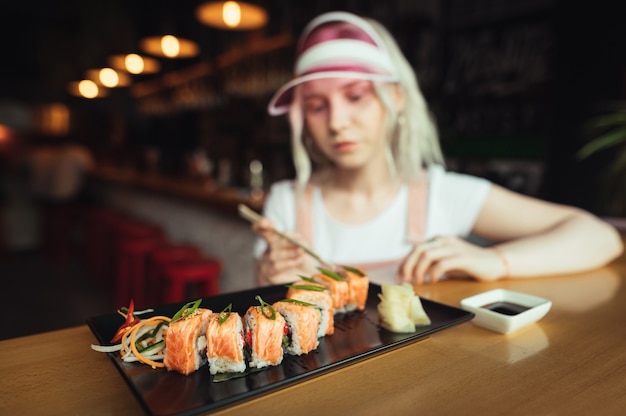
(411, 132)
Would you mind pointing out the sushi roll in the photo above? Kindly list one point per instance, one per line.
(303, 321)
(264, 329)
(318, 295)
(358, 285)
(185, 342)
(225, 344)
(339, 289)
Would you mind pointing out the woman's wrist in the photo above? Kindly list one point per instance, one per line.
(262, 278)
(504, 260)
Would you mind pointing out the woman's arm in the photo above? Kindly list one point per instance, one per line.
(279, 261)
(538, 237)
(534, 238)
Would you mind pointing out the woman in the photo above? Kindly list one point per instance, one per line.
(371, 191)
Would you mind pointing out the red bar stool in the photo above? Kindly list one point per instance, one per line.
(131, 277)
(202, 274)
(99, 227)
(158, 259)
(128, 229)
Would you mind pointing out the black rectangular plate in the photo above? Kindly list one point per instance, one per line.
(357, 336)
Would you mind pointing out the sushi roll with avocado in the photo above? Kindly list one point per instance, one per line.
(263, 332)
(339, 289)
(358, 287)
(225, 343)
(319, 295)
(185, 342)
(303, 322)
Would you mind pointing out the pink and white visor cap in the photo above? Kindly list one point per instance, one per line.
(336, 45)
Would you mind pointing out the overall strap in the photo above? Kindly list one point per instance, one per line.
(304, 212)
(418, 209)
(416, 212)
(416, 222)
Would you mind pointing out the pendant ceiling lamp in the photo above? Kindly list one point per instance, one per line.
(135, 64)
(169, 46)
(108, 77)
(231, 15)
(86, 89)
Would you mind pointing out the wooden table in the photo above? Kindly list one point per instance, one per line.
(572, 362)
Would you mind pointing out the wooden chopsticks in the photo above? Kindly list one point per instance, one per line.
(252, 216)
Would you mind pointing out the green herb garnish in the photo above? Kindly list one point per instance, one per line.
(149, 347)
(225, 314)
(330, 274)
(298, 302)
(150, 334)
(264, 306)
(186, 310)
(354, 270)
(308, 279)
(308, 287)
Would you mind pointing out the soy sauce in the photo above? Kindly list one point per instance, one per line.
(506, 308)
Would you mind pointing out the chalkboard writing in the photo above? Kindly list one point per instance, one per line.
(496, 76)
(499, 62)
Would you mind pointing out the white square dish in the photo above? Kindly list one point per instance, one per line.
(505, 311)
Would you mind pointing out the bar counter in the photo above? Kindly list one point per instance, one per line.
(192, 190)
(189, 211)
(571, 362)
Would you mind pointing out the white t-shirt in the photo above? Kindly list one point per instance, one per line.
(454, 201)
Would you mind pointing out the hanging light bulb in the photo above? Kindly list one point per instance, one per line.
(169, 46)
(231, 15)
(108, 77)
(88, 89)
(134, 64)
(52, 119)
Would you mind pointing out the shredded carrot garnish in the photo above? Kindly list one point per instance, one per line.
(132, 334)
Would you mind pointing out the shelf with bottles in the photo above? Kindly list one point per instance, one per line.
(253, 69)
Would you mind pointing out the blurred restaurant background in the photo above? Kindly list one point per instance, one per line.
(117, 141)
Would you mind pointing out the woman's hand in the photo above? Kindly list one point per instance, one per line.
(430, 260)
(282, 261)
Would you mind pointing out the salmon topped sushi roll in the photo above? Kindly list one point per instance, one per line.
(339, 289)
(303, 322)
(264, 329)
(358, 284)
(185, 342)
(317, 294)
(225, 344)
